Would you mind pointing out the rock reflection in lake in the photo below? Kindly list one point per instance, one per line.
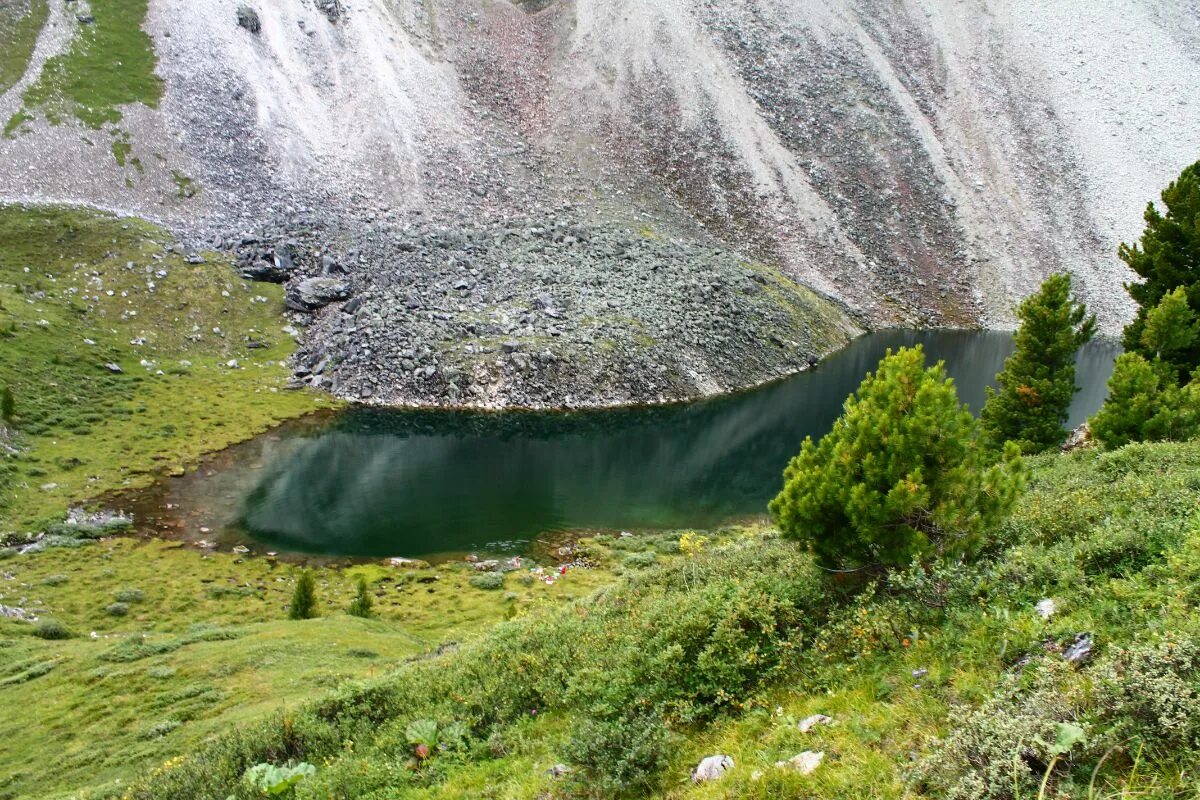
(381, 483)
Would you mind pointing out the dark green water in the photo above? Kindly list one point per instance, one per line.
(419, 483)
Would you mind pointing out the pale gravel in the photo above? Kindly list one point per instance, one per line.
(925, 161)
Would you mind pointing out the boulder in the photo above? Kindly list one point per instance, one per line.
(804, 763)
(808, 723)
(1078, 439)
(313, 293)
(247, 18)
(712, 768)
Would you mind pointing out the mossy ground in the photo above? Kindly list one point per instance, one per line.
(218, 649)
(20, 24)
(80, 290)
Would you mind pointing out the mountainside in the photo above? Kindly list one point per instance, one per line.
(514, 201)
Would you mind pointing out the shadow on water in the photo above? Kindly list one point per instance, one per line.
(380, 483)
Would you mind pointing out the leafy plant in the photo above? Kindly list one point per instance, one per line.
(1037, 383)
(422, 734)
(273, 781)
(902, 475)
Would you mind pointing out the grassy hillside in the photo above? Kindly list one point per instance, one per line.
(201, 358)
(20, 23)
(109, 63)
(945, 683)
(155, 666)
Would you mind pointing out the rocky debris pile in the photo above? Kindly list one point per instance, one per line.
(525, 312)
(310, 294)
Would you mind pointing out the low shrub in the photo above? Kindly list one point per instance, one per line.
(130, 596)
(646, 558)
(488, 581)
(51, 629)
(117, 609)
(620, 756)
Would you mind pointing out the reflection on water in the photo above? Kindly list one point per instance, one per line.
(382, 483)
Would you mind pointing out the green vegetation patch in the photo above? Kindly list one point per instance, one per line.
(109, 63)
(20, 23)
(124, 359)
(188, 662)
(950, 680)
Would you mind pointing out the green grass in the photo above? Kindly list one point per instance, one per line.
(902, 666)
(20, 24)
(109, 63)
(218, 650)
(79, 290)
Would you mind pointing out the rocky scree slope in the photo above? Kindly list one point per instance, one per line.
(436, 179)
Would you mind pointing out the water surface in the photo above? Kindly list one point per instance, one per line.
(369, 482)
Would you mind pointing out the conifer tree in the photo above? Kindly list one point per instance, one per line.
(1146, 404)
(902, 475)
(361, 605)
(8, 405)
(1167, 258)
(304, 597)
(1170, 332)
(1037, 383)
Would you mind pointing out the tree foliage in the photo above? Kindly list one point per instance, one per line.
(1167, 258)
(903, 474)
(361, 605)
(304, 597)
(1171, 330)
(8, 404)
(1146, 404)
(1037, 383)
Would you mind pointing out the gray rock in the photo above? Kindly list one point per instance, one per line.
(114, 368)
(712, 768)
(808, 723)
(247, 17)
(1080, 650)
(804, 763)
(313, 293)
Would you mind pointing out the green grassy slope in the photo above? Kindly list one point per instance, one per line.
(207, 650)
(109, 63)
(20, 24)
(81, 290)
(941, 684)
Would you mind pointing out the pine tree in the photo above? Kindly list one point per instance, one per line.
(8, 405)
(304, 597)
(1037, 383)
(361, 605)
(902, 475)
(1146, 404)
(1167, 258)
(1170, 331)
